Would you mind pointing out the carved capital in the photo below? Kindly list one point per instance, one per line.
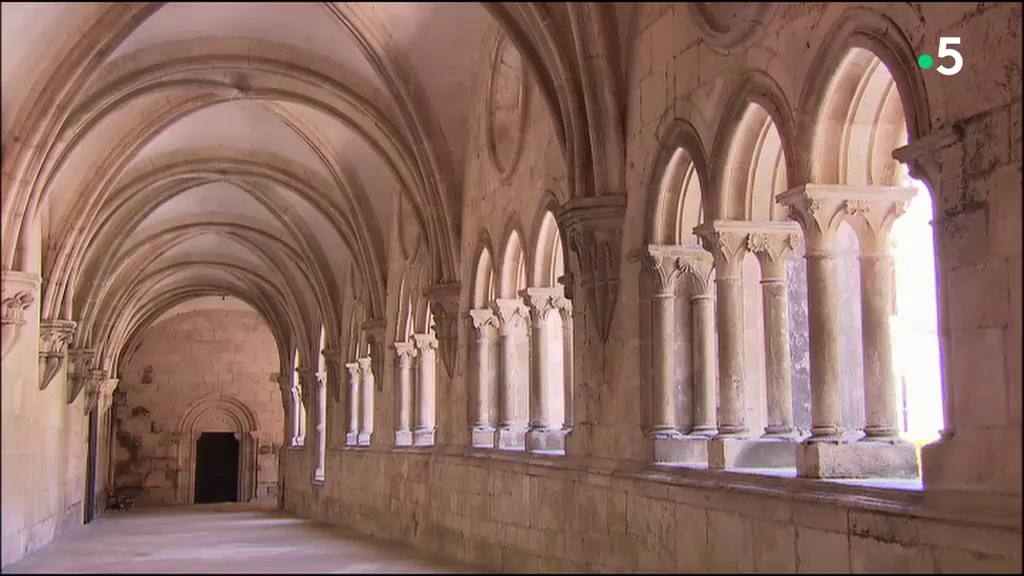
(661, 264)
(482, 320)
(925, 156)
(365, 366)
(444, 306)
(593, 228)
(424, 343)
(870, 210)
(310, 379)
(726, 240)
(353, 371)
(80, 366)
(18, 293)
(334, 360)
(404, 353)
(511, 314)
(91, 387)
(541, 301)
(772, 242)
(55, 336)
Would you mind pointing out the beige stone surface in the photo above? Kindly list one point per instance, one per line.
(226, 194)
(222, 538)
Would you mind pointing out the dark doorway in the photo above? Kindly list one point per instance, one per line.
(217, 467)
(90, 466)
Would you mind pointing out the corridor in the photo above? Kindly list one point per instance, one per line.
(221, 538)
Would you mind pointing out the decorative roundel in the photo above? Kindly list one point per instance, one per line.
(729, 25)
(507, 98)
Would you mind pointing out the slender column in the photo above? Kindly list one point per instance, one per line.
(313, 387)
(697, 264)
(727, 243)
(352, 436)
(772, 249)
(872, 219)
(568, 361)
(514, 378)
(483, 390)
(663, 265)
(404, 354)
(366, 391)
(426, 374)
(290, 398)
(541, 302)
(819, 215)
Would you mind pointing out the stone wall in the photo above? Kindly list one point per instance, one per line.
(601, 508)
(44, 449)
(194, 360)
(528, 515)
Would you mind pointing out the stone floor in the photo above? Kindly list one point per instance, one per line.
(221, 538)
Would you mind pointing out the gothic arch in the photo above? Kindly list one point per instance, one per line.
(217, 413)
(679, 170)
(756, 87)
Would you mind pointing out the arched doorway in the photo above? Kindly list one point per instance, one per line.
(217, 476)
(206, 417)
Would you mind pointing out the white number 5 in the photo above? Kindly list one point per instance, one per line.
(945, 50)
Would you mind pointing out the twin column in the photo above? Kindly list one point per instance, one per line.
(871, 211)
(416, 370)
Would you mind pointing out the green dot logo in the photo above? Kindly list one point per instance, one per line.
(924, 61)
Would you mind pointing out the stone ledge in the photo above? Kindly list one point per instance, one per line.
(864, 459)
(980, 510)
(725, 453)
(685, 450)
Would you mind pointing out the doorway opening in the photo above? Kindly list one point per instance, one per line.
(217, 467)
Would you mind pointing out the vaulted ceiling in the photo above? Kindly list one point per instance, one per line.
(164, 152)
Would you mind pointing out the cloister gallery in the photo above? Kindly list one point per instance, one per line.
(558, 287)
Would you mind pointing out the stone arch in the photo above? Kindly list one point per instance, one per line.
(860, 122)
(512, 273)
(866, 29)
(679, 170)
(484, 289)
(217, 413)
(546, 262)
(757, 88)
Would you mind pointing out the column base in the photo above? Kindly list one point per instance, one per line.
(403, 438)
(545, 440)
(482, 436)
(364, 438)
(511, 438)
(731, 452)
(352, 439)
(864, 459)
(423, 437)
(678, 450)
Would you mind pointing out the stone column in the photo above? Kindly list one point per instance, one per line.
(872, 216)
(568, 362)
(404, 400)
(354, 397)
(820, 209)
(290, 398)
(483, 378)
(541, 302)
(727, 243)
(514, 375)
(820, 214)
(663, 266)
(366, 407)
(697, 265)
(772, 246)
(313, 387)
(426, 375)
